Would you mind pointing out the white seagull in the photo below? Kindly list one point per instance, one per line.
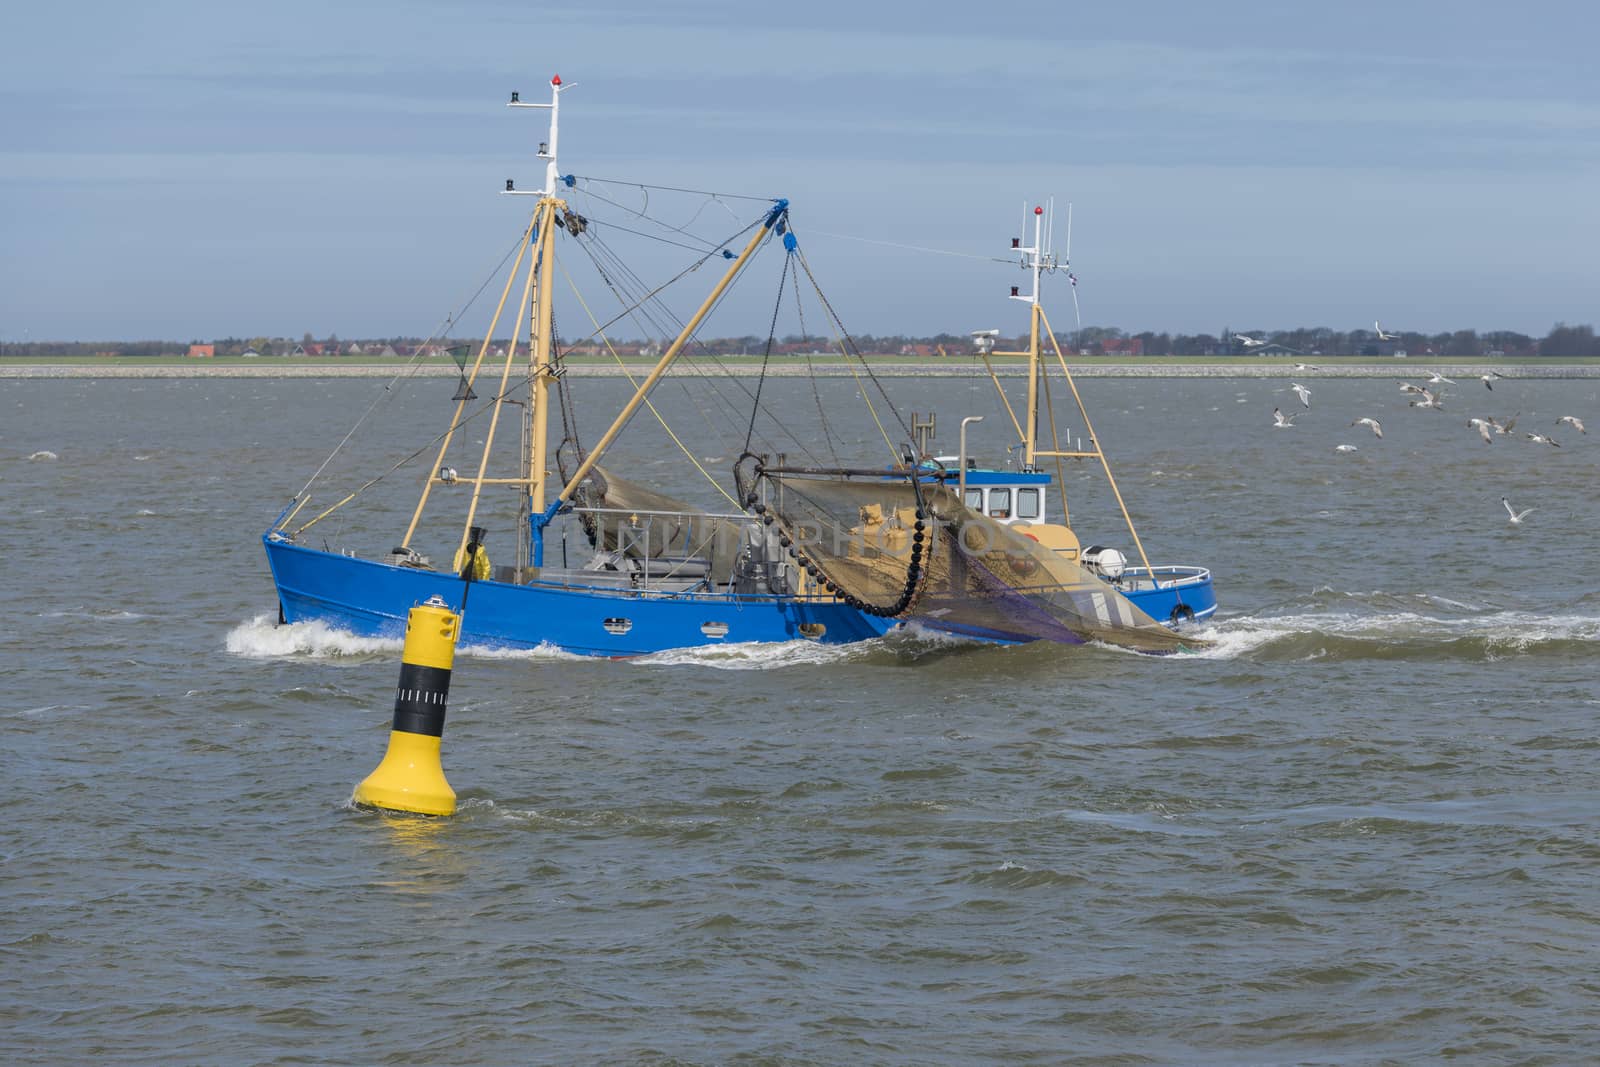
(1428, 401)
(1486, 379)
(1541, 439)
(1280, 421)
(1435, 378)
(1482, 426)
(1302, 392)
(1373, 424)
(1249, 342)
(1516, 516)
(1384, 336)
(1575, 422)
(1510, 425)
(1407, 387)
(1306, 366)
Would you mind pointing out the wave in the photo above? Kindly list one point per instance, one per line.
(44, 454)
(1385, 626)
(903, 644)
(264, 638)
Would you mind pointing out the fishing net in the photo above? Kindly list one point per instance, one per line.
(905, 547)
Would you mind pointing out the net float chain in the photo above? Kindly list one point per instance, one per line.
(913, 570)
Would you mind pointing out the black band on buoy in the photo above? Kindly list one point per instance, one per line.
(419, 700)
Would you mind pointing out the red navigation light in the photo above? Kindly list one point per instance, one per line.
(556, 80)
(1038, 211)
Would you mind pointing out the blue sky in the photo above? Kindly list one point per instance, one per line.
(189, 170)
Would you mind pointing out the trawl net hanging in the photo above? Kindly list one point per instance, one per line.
(904, 546)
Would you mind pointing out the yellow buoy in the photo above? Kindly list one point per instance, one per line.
(410, 777)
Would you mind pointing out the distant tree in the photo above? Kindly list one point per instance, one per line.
(1569, 342)
(1508, 342)
(1464, 343)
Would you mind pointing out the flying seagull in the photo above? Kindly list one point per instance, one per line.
(1384, 336)
(1516, 516)
(1541, 439)
(1302, 392)
(1306, 366)
(1407, 387)
(1574, 421)
(1345, 448)
(1510, 425)
(1428, 401)
(1487, 378)
(1435, 378)
(1249, 342)
(1373, 424)
(1280, 421)
(1482, 426)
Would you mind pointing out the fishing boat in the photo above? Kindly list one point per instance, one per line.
(1022, 496)
(605, 565)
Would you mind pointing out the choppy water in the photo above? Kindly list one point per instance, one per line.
(1362, 829)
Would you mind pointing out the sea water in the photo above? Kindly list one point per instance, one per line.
(1360, 828)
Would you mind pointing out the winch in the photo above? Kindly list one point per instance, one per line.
(1106, 562)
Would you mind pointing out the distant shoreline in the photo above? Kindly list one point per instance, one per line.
(789, 368)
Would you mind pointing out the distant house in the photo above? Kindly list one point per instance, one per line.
(202, 351)
(355, 349)
(388, 351)
(1123, 346)
(251, 353)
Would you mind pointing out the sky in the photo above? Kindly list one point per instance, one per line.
(186, 171)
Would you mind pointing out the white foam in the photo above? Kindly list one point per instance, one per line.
(752, 655)
(263, 638)
(1502, 631)
(44, 454)
(541, 652)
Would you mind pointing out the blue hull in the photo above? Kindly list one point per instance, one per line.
(1186, 595)
(371, 599)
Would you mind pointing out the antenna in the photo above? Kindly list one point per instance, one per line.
(547, 148)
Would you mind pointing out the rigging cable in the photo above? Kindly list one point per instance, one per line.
(687, 356)
(853, 348)
(670, 188)
(811, 374)
(623, 367)
(410, 369)
(766, 357)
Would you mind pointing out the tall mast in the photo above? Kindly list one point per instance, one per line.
(540, 351)
(1036, 260)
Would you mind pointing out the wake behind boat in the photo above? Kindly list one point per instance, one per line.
(605, 565)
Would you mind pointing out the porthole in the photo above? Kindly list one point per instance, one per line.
(618, 626)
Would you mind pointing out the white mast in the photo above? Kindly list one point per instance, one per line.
(540, 369)
(547, 149)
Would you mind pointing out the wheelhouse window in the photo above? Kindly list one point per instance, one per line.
(999, 503)
(1027, 503)
(975, 499)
